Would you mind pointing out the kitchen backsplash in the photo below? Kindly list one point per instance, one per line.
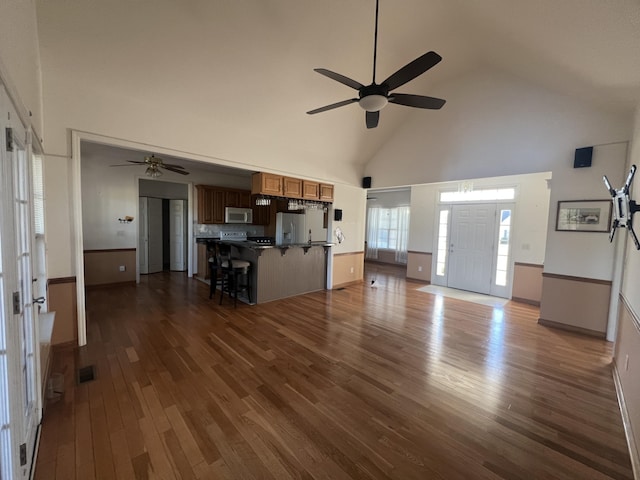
(200, 230)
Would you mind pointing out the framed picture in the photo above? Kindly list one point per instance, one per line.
(584, 216)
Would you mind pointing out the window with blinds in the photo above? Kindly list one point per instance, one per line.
(39, 260)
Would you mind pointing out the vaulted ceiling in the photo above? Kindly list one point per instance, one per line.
(249, 63)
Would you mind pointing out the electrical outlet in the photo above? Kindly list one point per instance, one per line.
(420, 268)
(123, 268)
(352, 270)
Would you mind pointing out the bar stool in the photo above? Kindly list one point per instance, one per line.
(214, 270)
(235, 274)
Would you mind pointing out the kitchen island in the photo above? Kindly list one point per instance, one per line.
(280, 271)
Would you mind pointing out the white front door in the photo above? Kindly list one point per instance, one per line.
(20, 405)
(154, 217)
(178, 232)
(471, 247)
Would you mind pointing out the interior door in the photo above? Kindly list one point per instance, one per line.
(471, 247)
(19, 405)
(143, 237)
(178, 233)
(154, 222)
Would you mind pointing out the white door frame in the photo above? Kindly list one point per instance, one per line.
(504, 292)
(77, 137)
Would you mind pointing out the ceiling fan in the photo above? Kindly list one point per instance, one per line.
(154, 166)
(372, 98)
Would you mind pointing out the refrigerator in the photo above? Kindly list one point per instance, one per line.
(291, 228)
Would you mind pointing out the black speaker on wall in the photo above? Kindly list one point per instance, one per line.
(337, 215)
(366, 182)
(582, 157)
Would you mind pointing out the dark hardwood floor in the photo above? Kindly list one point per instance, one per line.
(366, 382)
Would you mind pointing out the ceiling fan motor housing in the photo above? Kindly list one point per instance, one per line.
(373, 97)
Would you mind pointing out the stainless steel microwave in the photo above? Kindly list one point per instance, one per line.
(238, 215)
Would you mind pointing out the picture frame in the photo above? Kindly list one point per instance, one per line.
(583, 216)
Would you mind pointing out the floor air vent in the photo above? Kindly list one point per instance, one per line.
(86, 374)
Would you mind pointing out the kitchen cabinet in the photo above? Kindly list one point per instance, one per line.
(261, 214)
(326, 192)
(245, 199)
(205, 204)
(291, 187)
(203, 262)
(266, 184)
(232, 198)
(213, 200)
(310, 190)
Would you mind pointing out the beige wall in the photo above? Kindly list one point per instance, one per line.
(101, 267)
(627, 363)
(347, 268)
(527, 283)
(419, 266)
(579, 304)
(62, 300)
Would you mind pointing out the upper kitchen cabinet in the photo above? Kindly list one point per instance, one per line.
(245, 199)
(310, 190)
(326, 192)
(266, 184)
(291, 187)
(205, 204)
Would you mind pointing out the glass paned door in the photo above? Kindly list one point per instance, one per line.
(19, 357)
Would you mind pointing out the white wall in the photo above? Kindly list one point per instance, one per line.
(493, 124)
(584, 254)
(20, 56)
(162, 189)
(631, 280)
(352, 202)
(530, 215)
(59, 229)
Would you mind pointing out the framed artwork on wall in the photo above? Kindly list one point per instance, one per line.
(584, 216)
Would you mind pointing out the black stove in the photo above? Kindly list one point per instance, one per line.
(262, 240)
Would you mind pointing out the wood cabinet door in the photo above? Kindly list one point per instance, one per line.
(292, 187)
(232, 198)
(245, 199)
(266, 184)
(205, 204)
(326, 192)
(218, 205)
(310, 190)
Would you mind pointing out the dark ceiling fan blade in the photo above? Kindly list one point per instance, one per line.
(332, 106)
(136, 162)
(175, 170)
(125, 165)
(372, 119)
(172, 165)
(339, 78)
(412, 70)
(418, 101)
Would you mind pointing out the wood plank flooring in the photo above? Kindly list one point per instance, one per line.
(365, 382)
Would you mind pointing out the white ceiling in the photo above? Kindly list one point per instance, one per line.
(251, 61)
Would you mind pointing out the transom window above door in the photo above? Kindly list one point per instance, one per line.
(484, 194)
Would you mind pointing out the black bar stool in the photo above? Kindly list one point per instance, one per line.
(235, 274)
(214, 270)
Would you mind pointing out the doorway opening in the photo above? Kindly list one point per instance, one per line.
(162, 233)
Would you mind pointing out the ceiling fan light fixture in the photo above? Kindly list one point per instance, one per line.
(373, 103)
(153, 171)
